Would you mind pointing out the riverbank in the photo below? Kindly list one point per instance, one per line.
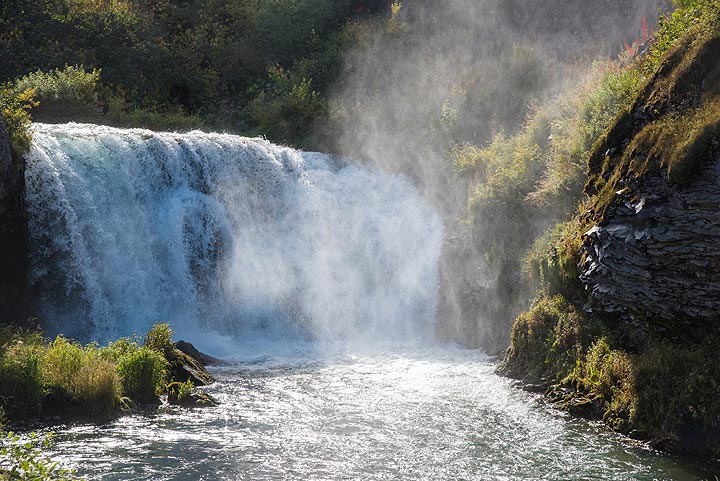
(625, 327)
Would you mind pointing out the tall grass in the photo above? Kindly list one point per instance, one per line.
(144, 374)
(81, 374)
(39, 376)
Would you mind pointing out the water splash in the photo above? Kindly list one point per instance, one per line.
(224, 234)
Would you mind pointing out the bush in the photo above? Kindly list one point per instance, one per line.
(82, 375)
(15, 108)
(159, 339)
(72, 84)
(144, 374)
(117, 349)
(67, 94)
(21, 386)
(22, 459)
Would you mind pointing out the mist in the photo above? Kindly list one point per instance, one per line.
(433, 76)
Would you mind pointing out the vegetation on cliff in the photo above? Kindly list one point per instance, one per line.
(652, 380)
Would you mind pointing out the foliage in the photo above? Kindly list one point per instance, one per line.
(21, 379)
(15, 108)
(185, 390)
(641, 380)
(183, 64)
(547, 341)
(284, 110)
(70, 84)
(552, 262)
(159, 338)
(144, 374)
(41, 377)
(22, 459)
(81, 374)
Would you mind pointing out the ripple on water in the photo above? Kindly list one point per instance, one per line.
(425, 416)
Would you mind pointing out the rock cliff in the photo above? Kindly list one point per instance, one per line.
(13, 233)
(656, 255)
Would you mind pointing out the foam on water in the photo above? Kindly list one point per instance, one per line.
(226, 238)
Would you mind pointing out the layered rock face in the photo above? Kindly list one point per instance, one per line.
(656, 256)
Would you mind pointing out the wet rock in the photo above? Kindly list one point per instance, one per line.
(184, 367)
(201, 357)
(583, 407)
(13, 233)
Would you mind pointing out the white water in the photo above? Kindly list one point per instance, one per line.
(228, 235)
(276, 258)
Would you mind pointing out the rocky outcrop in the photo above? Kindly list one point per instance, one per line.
(10, 175)
(195, 353)
(184, 368)
(13, 233)
(656, 255)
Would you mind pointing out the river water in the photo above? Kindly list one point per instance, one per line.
(432, 414)
(234, 240)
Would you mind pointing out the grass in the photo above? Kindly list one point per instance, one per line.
(159, 338)
(653, 390)
(144, 374)
(672, 124)
(40, 377)
(81, 375)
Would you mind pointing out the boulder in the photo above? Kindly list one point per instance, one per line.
(184, 367)
(201, 357)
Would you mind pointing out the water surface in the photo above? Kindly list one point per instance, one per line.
(428, 415)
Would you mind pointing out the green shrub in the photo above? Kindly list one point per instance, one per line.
(284, 110)
(72, 84)
(82, 375)
(144, 374)
(185, 390)
(552, 262)
(159, 339)
(23, 459)
(67, 94)
(117, 349)
(15, 109)
(21, 383)
(120, 114)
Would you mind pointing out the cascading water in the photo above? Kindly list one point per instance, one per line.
(223, 233)
(263, 243)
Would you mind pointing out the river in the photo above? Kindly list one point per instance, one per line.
(429, 414)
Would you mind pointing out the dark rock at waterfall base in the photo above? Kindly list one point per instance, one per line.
(13, 233)
(201, 357)
(184, 367)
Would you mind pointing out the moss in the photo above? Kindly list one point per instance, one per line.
(548, 340)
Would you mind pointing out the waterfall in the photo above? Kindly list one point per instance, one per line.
(224, 234)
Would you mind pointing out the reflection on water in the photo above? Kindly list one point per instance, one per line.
(432, 415)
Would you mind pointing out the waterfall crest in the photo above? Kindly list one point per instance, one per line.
(214, 232)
